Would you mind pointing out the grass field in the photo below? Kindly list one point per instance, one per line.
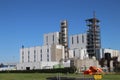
(42, 76)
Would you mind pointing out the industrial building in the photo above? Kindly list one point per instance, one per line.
(113, 53)
(89, 41)
(8, 66)
(78, 45)
(41, 57)
(54, 50)
(84, 50)
(93, 37)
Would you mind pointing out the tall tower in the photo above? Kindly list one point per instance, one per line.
(64, 37)
(93, 37)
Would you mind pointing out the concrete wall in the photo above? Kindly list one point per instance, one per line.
(57, 53)
(51, 51)
(78, 53)
(51, 38)
(85, 64)
(114, 53)
(33, 54)
(44, 53)
(36, 65)
(78, 41)
(78, 45)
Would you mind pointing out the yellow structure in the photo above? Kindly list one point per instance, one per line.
(97, 76)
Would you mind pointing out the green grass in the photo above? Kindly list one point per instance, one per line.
(111, 77)
(24, 76)
(42, 76)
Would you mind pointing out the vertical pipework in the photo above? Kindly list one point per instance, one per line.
(64, 37)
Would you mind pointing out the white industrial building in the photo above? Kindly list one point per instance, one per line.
(52, 52)
(78, 43)
(40, 57)
(8, 66)
(78, 46)
(52, 38)
(113, 53)
(55, 51)
(78, 51)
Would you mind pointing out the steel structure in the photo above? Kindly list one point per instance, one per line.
(64, 37)
(93, 37)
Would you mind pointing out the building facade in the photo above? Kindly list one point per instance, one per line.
(52, 38)
(90, 41)
(84, 49)
(78, 41)
(41, 57)
(78, 46)
(113, 53)
(54, 50)
(41, 53)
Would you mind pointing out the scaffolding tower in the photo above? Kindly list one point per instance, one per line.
(93, 37)
(64, 37)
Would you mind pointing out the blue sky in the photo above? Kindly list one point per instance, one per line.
(23, 22)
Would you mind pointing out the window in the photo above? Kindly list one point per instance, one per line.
(47, 40)
(41, 51)
(34, 57)
(53, 39)
(47, 57)
(82, 38)
(77, 39)
(22, 56)
(72, 40)
(21, 67)
(28, 56)
(47, 50)
(34, 51)
(41, 57)
(74, 53)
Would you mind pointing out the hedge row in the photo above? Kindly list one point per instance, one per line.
(59, 70)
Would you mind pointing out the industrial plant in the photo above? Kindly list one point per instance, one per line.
(84, 50)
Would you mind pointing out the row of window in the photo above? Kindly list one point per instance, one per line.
(35, 56)
(74, 53)
(78, 40)
(53, 39)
